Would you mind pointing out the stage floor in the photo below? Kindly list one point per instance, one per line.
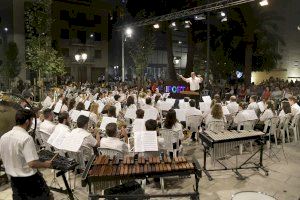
(283, 181)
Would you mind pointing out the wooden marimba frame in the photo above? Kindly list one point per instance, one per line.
(103, 168)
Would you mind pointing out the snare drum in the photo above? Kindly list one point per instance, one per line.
(251, 195)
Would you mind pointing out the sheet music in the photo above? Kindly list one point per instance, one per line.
(181, 115)
(206, 99)
(87, 104)
(130, 113)
(56, 138)
(261, 106)
(165, 106)
(85, 113)
(151, 113)
(205, 107)
(145, 141)
(74, 115)
(107, 120)
(58, 107)
(250, 114)
(171, 101)
(72, 142)
(101, 106)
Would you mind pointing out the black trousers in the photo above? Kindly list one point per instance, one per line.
(30, 188)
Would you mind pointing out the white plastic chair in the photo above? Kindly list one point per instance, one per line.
(216, 126)
(273, 123)
(284, 127)
(193, 123)
(170, 136)
(295, 127)
(110, 152)
(44, 138)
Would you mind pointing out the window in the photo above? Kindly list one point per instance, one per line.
(64, 34)
(81, 35)
(97, 36)
(65, 52)
(97, 19)
(81, 16)
(64, 15)
(98, 53)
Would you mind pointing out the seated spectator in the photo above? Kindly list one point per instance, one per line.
(47, 126)
(113, 141)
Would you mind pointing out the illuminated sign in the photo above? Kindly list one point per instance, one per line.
(170, 88)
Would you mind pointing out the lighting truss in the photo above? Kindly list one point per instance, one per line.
(218, 5)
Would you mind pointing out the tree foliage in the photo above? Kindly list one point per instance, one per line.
(12, 65)
(140, 50)
(40, 55)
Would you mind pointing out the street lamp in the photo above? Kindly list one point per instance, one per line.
(80, 58)
(126, 34)
(264, 3)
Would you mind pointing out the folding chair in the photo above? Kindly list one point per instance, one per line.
(193, 123)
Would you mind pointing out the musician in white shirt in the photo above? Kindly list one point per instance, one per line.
(81, 131)
(172, 123)
(117, 104)
(21, 161)
(190, 111)
(216, 116)
(285, 109)
(139, 123)
(148, 104)
(194, 81)
(233, 106)
(253, 105)
(294, 105)
(185, 104)
(64, 123)
(264, 118)
(47, 126)
(112, 141)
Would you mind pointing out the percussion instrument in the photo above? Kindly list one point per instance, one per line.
(62, 164)
(251, 195)
(106, 169)
(59, 163)
(219, 143)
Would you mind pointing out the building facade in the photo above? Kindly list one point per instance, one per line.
(81, 26)
(12, 29)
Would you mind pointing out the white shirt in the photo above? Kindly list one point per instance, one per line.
(48, 102)
(113, 143)
(177, 127)
(88, 141)
(233, 107)
(267, 114)
(64, 108)
(253, 106)
(193, 111)
(194, 83)
(118, 108)
(184, 105)
(16, 150)
(295, 108)
(47, 127)
(240, 117)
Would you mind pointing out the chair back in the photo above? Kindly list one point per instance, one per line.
(194, 122)
(247, 125)
(216, 126)
(295, 120)
(110, 152)
(169, 137)
(274, 124)
(287, 120)
(151, 113)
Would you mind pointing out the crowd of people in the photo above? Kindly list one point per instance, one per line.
(81, 109)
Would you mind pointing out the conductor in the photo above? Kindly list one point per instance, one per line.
(194, 81)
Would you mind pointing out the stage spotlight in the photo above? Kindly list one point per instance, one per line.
(223, 14)
(224, 19)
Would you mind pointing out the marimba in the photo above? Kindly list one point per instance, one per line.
(62, 164)
(218, 144)
(102, 168)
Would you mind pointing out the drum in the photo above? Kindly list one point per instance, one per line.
(251, 195)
